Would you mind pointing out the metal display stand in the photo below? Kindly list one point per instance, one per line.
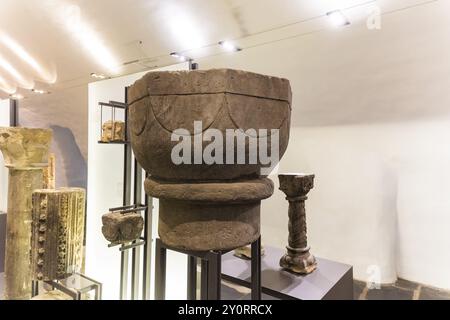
(211, 272)
(146, 208)
(76, 285)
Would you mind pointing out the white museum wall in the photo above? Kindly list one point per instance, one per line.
(105, 178)
(4, 122)
(371, 120)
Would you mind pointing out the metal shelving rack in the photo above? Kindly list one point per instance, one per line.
(145, 241)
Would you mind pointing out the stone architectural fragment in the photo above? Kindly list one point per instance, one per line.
(49, 180)
(57, 232)
(298, 259)
(246, 252)
(113, 131)
(206, 206)
(122, 227)
(25, 152)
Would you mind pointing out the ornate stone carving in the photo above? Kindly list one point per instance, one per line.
(25, 152)
(298, 259)
(121, 228)
(206, 206)
(57, 232)
(113, 131)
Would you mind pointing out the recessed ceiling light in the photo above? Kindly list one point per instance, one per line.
(38, 91)
(338, 19)
(98, 75)
(228, 46)
(16, 96)
(179, 56)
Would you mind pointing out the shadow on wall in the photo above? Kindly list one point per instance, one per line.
(74, 164)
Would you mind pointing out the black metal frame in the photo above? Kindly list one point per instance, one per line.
(13, 113)
(211, 275)
(127, 207)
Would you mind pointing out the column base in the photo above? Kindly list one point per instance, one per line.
(298, 260)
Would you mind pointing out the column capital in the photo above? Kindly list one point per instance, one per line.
(25, 148)
(296, 185)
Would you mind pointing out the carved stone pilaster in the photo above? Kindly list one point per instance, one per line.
(57, 233)
(25, 152)
(298, 259)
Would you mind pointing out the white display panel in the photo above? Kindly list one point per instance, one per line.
(4, 122)
(105, 186)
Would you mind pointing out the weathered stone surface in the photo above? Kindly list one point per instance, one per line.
(221, 99)
(246, 252)
(113, 131)
(57, 232)
(209, 216)
(25, 152)
(298, 259)
(207, 206)
(52, 295)
(25, 147)
(217, 192)
(49, 172)
(122, 227)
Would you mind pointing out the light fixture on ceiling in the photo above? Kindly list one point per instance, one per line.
(179, 56)
(8, 67)
(98, 75)
(16, 96)
(229, 46)
(27, 58)
(337, 18)
(39, 91)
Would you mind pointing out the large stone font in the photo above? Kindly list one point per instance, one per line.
(25, 152)
(203, 205)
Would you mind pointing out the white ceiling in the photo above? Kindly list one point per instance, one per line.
(69, 39)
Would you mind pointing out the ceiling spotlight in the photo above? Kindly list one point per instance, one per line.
(16, 96)
(337, 18)
(179, 56)
(228, 46)
(98, 75)
(38, 91)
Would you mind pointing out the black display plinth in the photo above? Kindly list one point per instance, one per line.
(330, 281)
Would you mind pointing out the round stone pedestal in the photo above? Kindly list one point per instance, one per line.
(209, 216)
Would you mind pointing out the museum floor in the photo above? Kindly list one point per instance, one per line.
(402, 290)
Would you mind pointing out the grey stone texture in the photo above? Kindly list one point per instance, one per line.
(222, 99)
(122, 227)
(298, 258)
(206, 206)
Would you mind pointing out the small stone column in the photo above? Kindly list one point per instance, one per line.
(298, 259)
(25, 152)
